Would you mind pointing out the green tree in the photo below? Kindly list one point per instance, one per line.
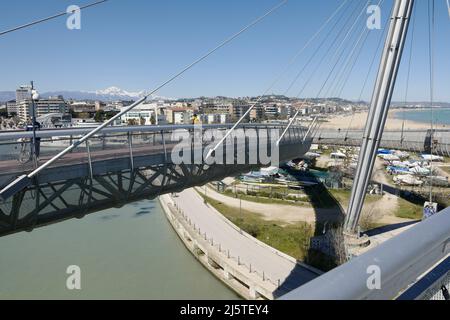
(99, 116)
(132, 122)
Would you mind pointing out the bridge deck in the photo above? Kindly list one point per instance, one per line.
(8, 167)
(73, 186)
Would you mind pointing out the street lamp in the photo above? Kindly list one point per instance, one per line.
(34, 96)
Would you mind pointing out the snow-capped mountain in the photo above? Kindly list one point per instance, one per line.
(108, 94)
(115, 91)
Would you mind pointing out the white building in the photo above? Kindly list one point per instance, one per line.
(23, 93)
(42, 107)
(12, 108)
(215, 118)
(146, 114)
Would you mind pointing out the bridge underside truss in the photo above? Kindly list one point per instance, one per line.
(51, 202)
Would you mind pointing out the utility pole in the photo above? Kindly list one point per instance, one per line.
(381, 100)
(33, 123)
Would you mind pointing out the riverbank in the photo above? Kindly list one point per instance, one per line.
(247, 265)
(124, 253)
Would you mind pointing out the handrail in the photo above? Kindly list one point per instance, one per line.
(401, 261)
(14, 135)
(25, 180)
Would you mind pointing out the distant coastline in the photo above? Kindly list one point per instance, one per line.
(423, 115)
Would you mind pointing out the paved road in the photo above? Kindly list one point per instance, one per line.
(261, 257)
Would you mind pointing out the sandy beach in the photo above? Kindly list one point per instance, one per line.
(358, 121)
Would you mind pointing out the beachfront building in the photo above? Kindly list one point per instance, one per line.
(214, 108)
(145, 114)
(271, 111)
(23, 93)
(82, 107)
(238, 110)
(216, 118)
(42, 107)
(179, 115)
(12, 108)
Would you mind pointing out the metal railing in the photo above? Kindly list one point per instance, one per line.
(122, 140)
(409, 140)
(401, 261)
(435, 285)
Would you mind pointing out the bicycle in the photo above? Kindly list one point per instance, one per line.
(25, 151)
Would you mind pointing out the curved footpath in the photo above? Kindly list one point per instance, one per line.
(276, 212)
(253, 269)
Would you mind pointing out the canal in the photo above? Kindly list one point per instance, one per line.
(126, 253)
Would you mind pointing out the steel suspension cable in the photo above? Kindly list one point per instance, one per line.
(376, 52)
(26, 180)
(50, 18)
(306, 82)
(339, 19)
(408, 75)
(276, 80)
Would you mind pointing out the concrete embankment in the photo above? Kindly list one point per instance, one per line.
(248, 266)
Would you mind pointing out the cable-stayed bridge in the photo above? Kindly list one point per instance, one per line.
(125, 164)
(87, 176)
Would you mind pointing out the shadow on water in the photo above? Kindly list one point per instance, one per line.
(329, 214)
(143, 213)
(109, 217)
(145, 210)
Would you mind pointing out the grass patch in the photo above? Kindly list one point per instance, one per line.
(408, 210)
(265, 198)
(291, 239)
(343, 197)
(317, 197)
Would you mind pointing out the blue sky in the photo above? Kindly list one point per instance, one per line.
(137, 44)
